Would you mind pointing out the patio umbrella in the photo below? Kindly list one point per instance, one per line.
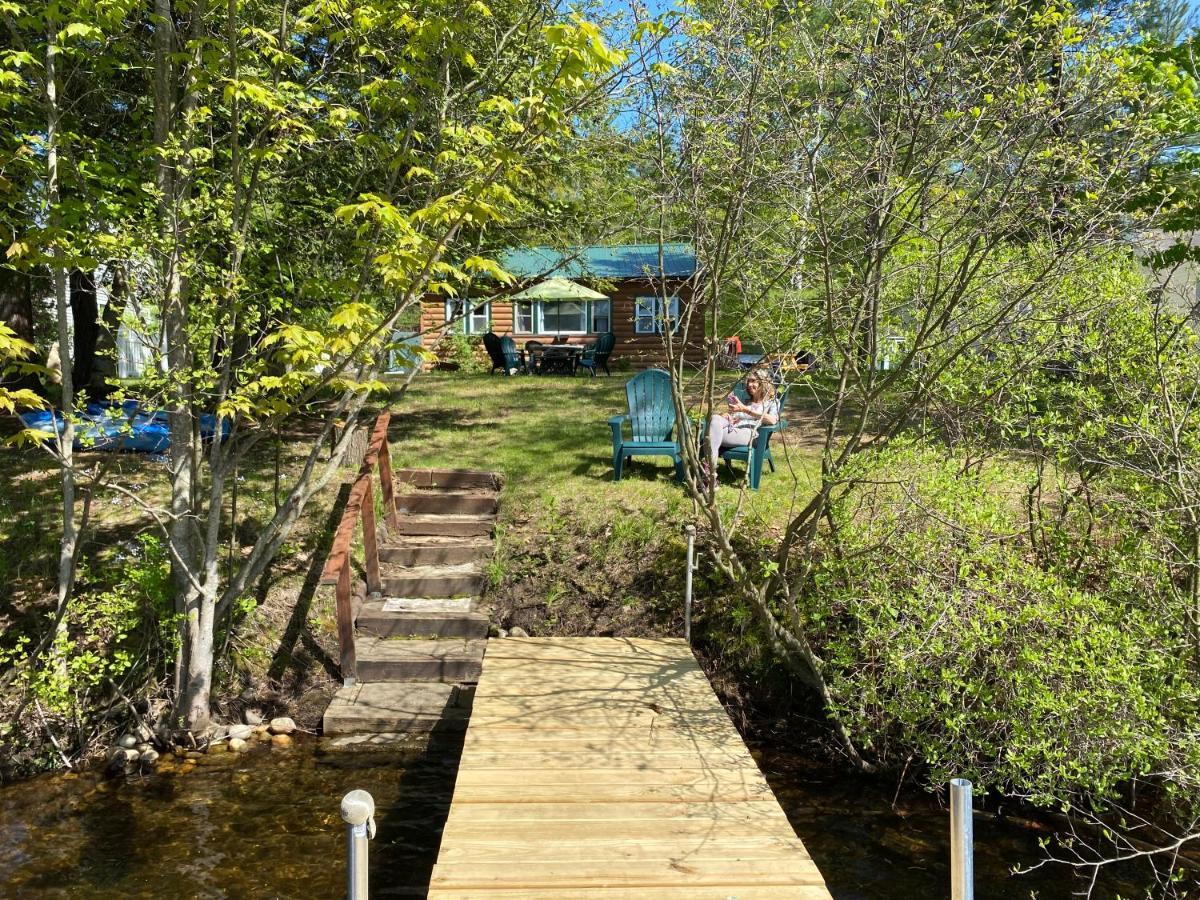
(558, 289)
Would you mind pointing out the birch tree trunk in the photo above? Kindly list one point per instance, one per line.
(67, 546)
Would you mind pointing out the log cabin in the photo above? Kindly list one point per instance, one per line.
(628, 275)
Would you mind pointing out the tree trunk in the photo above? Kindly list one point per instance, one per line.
(104, 363)
(194, 581)
(16, 311)
(69, 537)
(84, 313)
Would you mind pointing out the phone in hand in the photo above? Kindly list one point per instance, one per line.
(731, 399)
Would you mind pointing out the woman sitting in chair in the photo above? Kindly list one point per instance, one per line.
(738, 428)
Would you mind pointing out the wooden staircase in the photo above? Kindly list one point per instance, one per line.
(412, 649)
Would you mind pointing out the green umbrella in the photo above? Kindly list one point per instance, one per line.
(558, 289)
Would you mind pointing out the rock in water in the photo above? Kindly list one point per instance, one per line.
(121, 759)
(281, 740)
(240, 731)
(282, 725)
(148, 757)
(237, 745)
(128, 741)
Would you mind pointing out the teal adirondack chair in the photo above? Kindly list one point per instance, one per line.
(652, 422)
(760, 451)
(595, 356)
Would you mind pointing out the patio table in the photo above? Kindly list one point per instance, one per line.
(559, 359)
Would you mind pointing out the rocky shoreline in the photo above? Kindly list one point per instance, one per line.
(135, 752)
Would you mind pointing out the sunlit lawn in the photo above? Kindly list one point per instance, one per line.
(550, 437)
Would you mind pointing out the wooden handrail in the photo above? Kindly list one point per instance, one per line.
(361, 507)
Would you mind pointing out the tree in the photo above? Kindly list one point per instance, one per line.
(862, 179)
(301, 178)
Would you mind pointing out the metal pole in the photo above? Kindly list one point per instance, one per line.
(690, 531)
(358, 812)
(962, 841)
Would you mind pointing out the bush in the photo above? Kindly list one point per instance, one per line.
(946, 641)
(461, 352)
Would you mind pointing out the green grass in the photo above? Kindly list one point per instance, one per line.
(550, 438)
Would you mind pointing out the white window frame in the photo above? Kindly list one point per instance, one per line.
(477, 321)
(648, 314)
(542, 316)
(533, 316)
(593, 306)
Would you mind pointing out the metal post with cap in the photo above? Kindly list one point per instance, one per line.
(358, 812)
(962, 841)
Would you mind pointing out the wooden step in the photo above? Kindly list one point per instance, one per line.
(447, 660)
(449, 526)
(448, 503)
(465, 580)
(437, 618)
(411, 708)
(434, 551)
(450, 478)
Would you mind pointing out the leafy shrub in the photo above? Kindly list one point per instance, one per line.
(463, 352)
(945, 640)
(118, 636)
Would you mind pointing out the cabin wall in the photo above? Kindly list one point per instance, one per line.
(640, 350)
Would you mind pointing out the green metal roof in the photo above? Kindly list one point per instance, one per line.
(624, 261)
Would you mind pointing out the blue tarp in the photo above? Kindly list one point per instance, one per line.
(105, 426)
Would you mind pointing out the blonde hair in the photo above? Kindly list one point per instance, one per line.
(765, 383)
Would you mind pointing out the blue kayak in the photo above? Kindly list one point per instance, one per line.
(105, 426)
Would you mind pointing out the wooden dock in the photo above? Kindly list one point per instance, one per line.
(607, 768)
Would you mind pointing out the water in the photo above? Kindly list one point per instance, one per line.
(266, 824)
(260, 824)
(868, 850)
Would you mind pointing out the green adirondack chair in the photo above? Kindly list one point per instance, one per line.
(504, 354)
(652, 422)
(595, 356)
(759, 452)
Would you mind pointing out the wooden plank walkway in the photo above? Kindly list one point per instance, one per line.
(606, 768)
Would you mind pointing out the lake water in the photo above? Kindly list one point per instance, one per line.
(266, 824)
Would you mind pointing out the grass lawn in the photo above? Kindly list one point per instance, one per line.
(578, 553)
(550, 437)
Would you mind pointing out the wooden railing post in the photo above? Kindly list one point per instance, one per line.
(383, 461)
(361, 506)
(387, 487)
(345, 623)
(370, 540)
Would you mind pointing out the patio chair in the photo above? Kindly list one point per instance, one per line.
(513, 358)
(503, 353)
(595, 355)
(533, 360)
(652, 422)
(754, 455)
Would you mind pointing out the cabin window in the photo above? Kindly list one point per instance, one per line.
(523, 318)
(650, 314)
(601, 316)
(643, 315)
(477, 321)
(564, 317)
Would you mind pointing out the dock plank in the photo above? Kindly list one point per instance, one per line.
(606, 769)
